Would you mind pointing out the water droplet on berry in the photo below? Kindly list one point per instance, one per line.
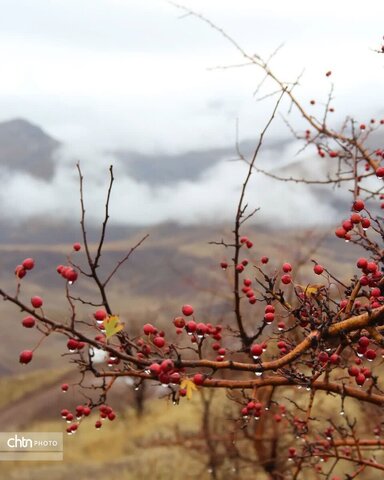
(342, 412)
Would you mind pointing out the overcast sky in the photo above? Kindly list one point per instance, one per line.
(102, 74)
(133, 73)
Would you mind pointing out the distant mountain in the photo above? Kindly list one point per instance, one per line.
(25, 147)
(163, 169)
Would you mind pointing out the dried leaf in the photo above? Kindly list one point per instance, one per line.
(189, 387)
(112, 325)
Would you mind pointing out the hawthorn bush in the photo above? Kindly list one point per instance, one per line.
(301, 364)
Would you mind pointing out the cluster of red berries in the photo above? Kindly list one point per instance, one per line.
(360, 374)
(363, 350)
(286, 279)
(248, 291)
(325, 358)
(22, 269)
(73, 345)
(67, 272)
(355, 219)
(252, 408)
(166, 372)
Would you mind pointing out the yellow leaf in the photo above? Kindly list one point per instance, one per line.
(312, 290)
(112, 325)
(189, 387)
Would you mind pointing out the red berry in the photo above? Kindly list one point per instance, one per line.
(347, 225)
(25, 356)
(76, 247)
(358, 205)
(72, 344)
(86, 411)
(256, 350)
(149, 329)
(269, 317)
(286, 279)
(20, 271)
(370, 354)
(179, 322)
(155, 369)
(159, 342)
(198, 379)
(365, 223)
(287, 267)
(362, 263)
(334, 358)
(69, 417)
(323, 357)
(98, 424)
(371, 267)
(380, 172)
(28, 322)
(70, 274)
(247, 282)
(100, 315)
(353, 371)
(264, 260)
(243, 239)
(355, 218)
(375, 292)
(187, 310)
(292, 452)
(28, 263)
(111, 416)
(340, 232)
(360, 379)
(167, 365)
(191, 326)
(36, 302)
(318, 269)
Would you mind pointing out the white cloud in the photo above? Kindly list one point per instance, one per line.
(212, 199)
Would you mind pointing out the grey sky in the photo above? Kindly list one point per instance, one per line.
(133, 73)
